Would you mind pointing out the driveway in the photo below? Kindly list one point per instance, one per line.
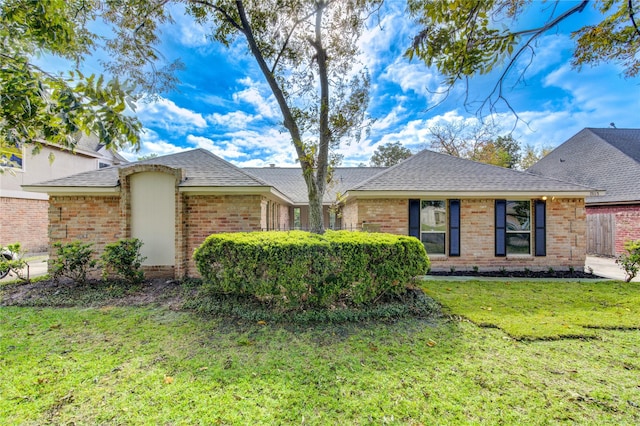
(606, 267)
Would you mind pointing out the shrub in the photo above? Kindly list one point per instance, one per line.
(17, 264)
(630, 261)
(73, 260)
(298, 269)
(123, 259)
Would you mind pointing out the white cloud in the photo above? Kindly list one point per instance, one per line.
(225, 150)
(390, 119)
(233, 119)
(414, 78)
(252, 96)
(165, 114)
(152, 143)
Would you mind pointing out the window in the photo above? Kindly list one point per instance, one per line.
(513, 227)
(11, 156)
(102, 165)
(297, 221)
(433, 225)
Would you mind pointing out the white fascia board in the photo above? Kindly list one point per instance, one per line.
(235, 190)
(70, 190)
(5, 193)
(468, 194)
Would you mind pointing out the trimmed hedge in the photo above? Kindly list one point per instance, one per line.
(296, 269)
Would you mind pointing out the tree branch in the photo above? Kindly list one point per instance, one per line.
(632, 17)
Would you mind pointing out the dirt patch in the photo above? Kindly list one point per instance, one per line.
(168, 293)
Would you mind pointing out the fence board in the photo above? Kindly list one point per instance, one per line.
(601, 234)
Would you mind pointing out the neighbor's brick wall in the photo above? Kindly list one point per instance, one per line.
(627, 223)
(566, 228)
(208, 214)
(24, 221)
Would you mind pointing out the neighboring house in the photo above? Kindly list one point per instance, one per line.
(467, 214)
(607, 159)
(24, 214)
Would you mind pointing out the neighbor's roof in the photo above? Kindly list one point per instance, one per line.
(603, 158)
(432, 172)
(291, 182)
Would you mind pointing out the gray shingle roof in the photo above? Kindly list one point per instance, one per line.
(290, 181)
(603, 158)
(431, 171)
(424, 172)
(203, 169)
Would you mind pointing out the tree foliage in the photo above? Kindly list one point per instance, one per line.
(306, 51)
(532, 155)
(389, 154)
(464, 38)
(38, 106)
(476, 141)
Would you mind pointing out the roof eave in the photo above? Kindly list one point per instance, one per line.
(235, 190)
(73, 190)
(469, 194)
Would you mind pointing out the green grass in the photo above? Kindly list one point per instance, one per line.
(542, 310)
(153, 365)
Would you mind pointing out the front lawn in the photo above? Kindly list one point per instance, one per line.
(542, 310)
(155, 365)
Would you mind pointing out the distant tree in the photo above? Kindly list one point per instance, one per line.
(389, 154)
(504, 151)
(478, 142)
(466, 38)
(38, 106)
(148, 156)
(532, 155)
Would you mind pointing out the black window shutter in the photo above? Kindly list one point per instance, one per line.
(414, 218)
(541, 224)
(454, 227)
(501, 227)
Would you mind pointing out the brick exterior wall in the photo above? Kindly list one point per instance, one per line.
(392, 215)
(565, 231)
(627, 222)
(90, 219)
(207, 214)
(24, 221)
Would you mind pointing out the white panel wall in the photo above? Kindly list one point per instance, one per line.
(153, 216)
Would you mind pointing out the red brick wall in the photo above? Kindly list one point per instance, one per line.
(24, 221)
(566, 228)
(208, 214)
(627, 220)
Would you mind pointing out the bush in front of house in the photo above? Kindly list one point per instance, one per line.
(294, 270)
(73, 260)
(123, 260)
(630, 261)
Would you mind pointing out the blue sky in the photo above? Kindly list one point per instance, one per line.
(224, 105)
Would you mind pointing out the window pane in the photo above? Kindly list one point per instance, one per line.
(518, 216)
(433, 216)
(519, 243)
(433, 242)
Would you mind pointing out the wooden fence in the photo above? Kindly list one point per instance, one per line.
(601, 234)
